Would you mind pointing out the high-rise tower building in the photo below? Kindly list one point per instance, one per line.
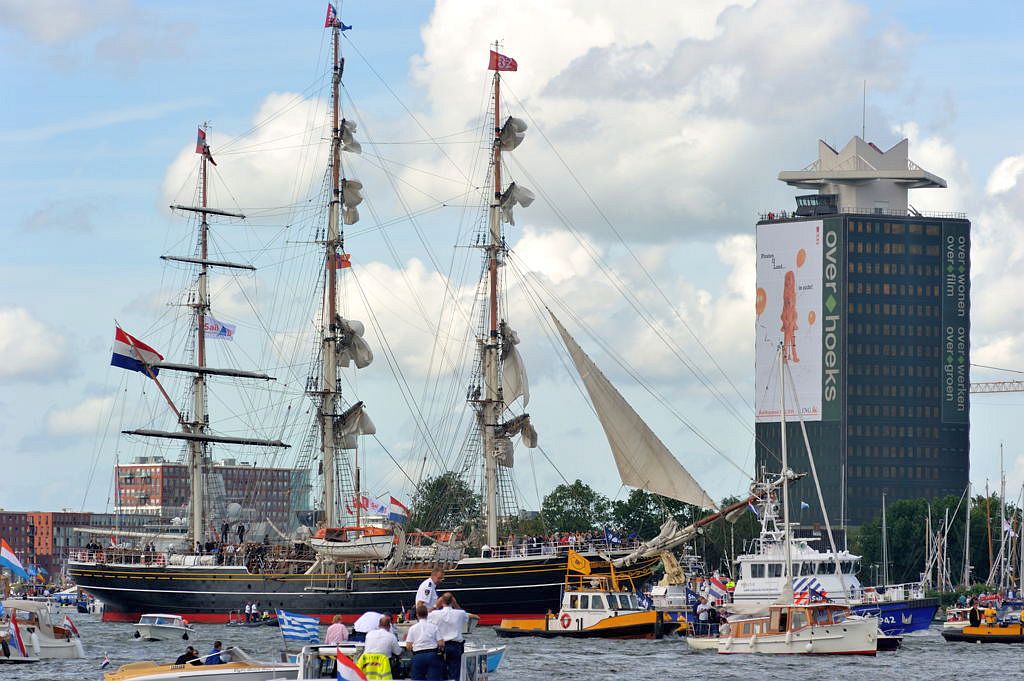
(869, 300)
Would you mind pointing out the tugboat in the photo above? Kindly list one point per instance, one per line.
(593, 606)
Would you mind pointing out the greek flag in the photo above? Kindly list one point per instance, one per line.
(298, 627)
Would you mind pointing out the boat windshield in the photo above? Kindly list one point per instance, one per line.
(597, 602)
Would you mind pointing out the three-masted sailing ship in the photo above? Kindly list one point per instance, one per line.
(316, 575)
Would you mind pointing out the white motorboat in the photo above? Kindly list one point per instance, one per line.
(818, 629)
(797, 625)
(41, 636)
(702, 643)
(157, 627)
(238, 666)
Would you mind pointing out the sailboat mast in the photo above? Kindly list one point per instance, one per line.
(1002, 521)
(885, 545)
(967, 541)
(787, 594)
(490, 346)
(329, 376)
(197, 452)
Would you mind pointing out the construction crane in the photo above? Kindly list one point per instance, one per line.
(998, 387)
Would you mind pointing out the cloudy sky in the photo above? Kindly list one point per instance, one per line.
(656, 133)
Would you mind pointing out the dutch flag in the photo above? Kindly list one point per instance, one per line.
(347, 669)
(132, 354)
(397, 511)
(10, 561)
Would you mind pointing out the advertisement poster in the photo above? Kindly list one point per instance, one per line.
(789, 313)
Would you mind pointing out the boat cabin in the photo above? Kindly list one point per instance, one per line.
(592, 598)
(159, 620)
(783, 618)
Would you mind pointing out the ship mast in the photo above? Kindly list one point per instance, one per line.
(329, 378)
(197, 448)
(492, 398)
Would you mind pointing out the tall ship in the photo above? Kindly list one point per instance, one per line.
(352, 554)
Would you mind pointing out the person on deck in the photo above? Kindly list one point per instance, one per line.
(427, 647)
(190, 656)
(215, 655)
(381, 646)
(427, 593)
(451, 621)
(337, 632)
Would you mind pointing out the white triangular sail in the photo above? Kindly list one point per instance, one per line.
(642, 459)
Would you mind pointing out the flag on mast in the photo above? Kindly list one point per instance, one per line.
(332, 19)
(340, 261)
(216, 329)
(202, 147)
(347, 669)
(132, 354)
(500, 62)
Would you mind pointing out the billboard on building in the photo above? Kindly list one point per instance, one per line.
(790, 294)
(956, 325)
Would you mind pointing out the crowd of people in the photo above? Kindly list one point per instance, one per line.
(560, 542)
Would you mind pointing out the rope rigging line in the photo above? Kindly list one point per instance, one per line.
(651, 279)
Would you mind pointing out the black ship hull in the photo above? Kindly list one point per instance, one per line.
(491, 588)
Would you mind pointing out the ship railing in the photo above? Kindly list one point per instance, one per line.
(890, 592)
(556, 548)
(119, 557)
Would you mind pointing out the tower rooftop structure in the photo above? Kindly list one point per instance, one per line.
(863, 178)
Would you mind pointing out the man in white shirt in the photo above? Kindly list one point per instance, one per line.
(427, 593)
(427, 646)
(703, 612)
(451, 622)
(381, 646)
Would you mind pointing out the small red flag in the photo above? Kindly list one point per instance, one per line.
(500, 62)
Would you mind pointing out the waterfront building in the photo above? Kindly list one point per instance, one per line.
(155, 486)
(870, 300)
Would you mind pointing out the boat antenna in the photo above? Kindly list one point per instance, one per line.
(864, 112)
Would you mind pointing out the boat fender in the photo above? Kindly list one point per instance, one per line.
(565, 620)
(184, 637)
(753, 641)
(810, 646)
(137, 635)
(789, 637)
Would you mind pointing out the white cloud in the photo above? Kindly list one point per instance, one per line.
(1004, 176)
(83, 418)
(120, 32)
(30, 350)
(663, 111)
(937, 155)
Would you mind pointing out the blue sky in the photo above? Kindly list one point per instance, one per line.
(677, 118)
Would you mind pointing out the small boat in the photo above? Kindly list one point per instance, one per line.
(593, 606)
(888, 643)
(241, 667)
(353, 543)
(42, 637)
(702, 643)
(239, 619)
(817, 629)
(157, 627)
(991, 629)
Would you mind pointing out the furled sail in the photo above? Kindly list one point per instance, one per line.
(352, 196)
(351, 346)
(512, 133)
(521, 426)
(352, 422)
(513, 195)
(642, 459)
(348, 140)
(514, 383)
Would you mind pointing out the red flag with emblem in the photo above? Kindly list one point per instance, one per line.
(500, 62)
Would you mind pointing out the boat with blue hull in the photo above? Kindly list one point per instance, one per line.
(901, 618)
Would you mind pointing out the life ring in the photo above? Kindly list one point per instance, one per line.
(565, 620)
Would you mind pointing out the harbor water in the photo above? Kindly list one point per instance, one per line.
(922, 657)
